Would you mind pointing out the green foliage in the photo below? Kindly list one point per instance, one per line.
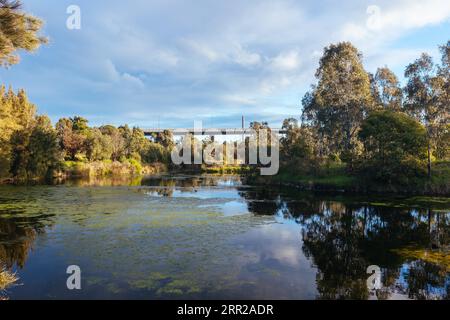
(118, 142)
(297, 147)
(19, 153)
(155, 152)
(386, 90)
(136, 144)
(98, 146)
(442, 151)
(228, 169)
(165, 139)
(17, 120)
(136, 165)
(395, 147)
(428, 98)
(439, 183)
(79, 124)
(43, 149)
(34, 150)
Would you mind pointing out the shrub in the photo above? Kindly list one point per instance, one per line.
(395, 148)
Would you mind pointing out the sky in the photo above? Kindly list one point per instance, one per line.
(168, 63)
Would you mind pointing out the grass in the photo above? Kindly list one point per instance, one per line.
(109, 168)
(335, 177)
(332, 176)
(227, 169)
(440, 177)
(7, 279)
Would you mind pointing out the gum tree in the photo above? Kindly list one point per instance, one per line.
(342, 98)
(427, 92)
(386, 89)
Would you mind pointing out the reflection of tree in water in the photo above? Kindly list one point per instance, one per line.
(427, 280)
(343, 243)
(161, 187)
(262, 201)
(17, 236)
(165, 186)
(343, 239)
(102, 181)
(333, 241)
(22, 219)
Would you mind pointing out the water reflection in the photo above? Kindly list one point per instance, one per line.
(343, 239)
(151, 236)
(21, 221)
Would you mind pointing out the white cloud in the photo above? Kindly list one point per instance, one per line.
(414, 14)
(286, 61)
(110, 74)
(243, 100)
(110, 71)
(202, 49)
(244, 57)
(222, 52)
(135, 81)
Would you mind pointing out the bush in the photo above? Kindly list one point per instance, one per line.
(156, 153)
(136, 166)
(395, 148)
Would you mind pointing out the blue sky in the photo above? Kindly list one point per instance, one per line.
(170, 62)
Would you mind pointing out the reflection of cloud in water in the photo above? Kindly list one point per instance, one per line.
(277, 250)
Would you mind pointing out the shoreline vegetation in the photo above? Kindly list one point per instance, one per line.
(338, 181)
(98, 169)
(7, 279)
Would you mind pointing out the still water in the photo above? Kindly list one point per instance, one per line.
(189, 237)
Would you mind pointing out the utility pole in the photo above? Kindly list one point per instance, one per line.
(243, 128)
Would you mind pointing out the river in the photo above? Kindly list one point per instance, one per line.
(211, 237)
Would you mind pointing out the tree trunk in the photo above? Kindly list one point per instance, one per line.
(429, 160)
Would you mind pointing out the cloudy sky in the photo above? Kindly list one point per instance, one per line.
(170, 62)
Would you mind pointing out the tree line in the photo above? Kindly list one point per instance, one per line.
(370, 123)
(30, 147)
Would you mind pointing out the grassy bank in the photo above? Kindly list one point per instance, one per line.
(227, 169)
(96, 169)
(109, 168)
(337, 179)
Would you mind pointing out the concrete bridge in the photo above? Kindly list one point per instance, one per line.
(209, 131)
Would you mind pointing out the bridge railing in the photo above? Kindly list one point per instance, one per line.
(209, 131)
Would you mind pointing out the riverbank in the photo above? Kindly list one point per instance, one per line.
(72, 169)
(333, 179)
(337, 180)
(241, 170)
(96, 169)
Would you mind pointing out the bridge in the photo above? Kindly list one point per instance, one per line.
(208, 132)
